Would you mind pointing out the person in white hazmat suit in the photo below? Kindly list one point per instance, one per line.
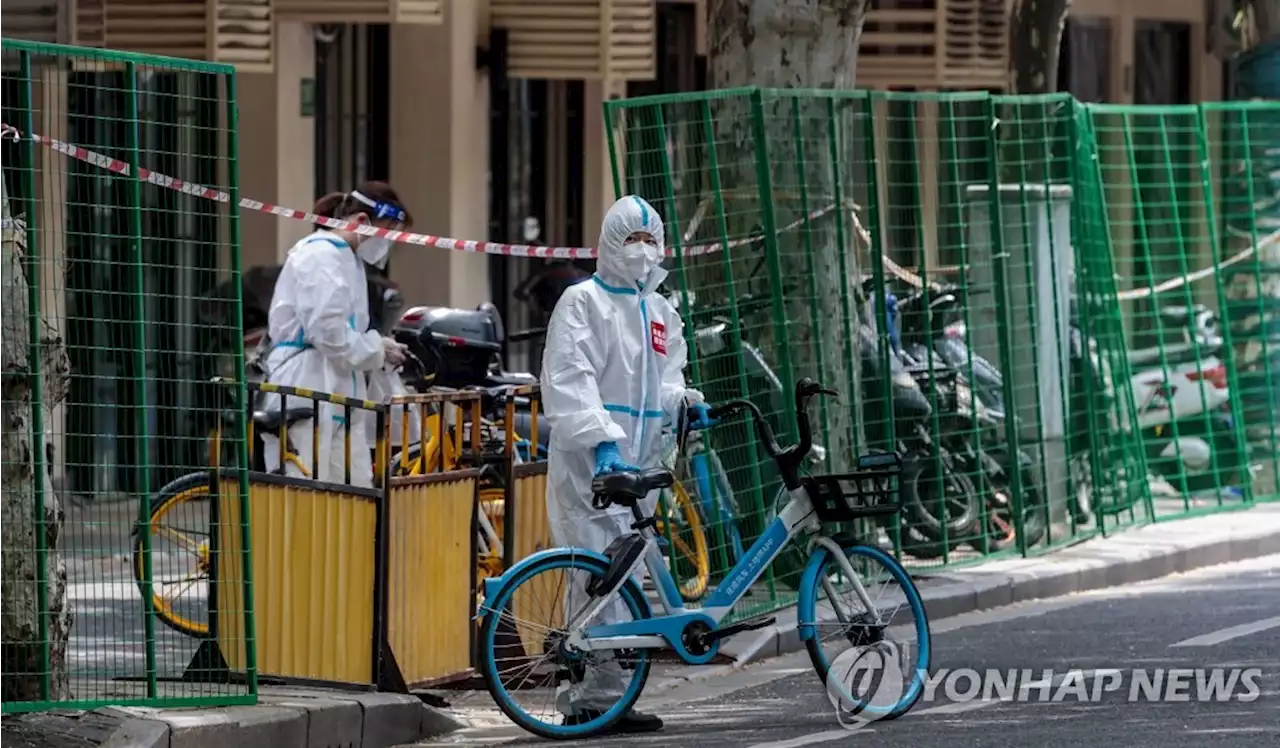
(612, 377)
(320, 337)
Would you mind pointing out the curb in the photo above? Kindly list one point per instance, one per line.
(284, 718)
(1136, 555)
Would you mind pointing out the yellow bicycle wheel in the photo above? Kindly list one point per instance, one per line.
(492, 503)
(693, 562)
(185, 503)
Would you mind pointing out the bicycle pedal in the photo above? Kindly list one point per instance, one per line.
(751, 624)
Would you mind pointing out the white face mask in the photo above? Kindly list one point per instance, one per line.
(375, 251)
(635, 262)
(653, 254)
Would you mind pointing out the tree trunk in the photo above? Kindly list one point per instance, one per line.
(1035, 39)
(1253, 295)
(24, 661)
(796, 44)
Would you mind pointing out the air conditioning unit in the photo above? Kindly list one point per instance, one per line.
(426, 12)
(578, 39)
(939, 44)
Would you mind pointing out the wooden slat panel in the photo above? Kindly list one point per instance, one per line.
(632, 36)
(429, 12)
(244, 34)
(89, 23)
(420, 11)
(178, 28)
(36, 21)
(238, 32)
(578, 39)
(976, 34)
(960, 43)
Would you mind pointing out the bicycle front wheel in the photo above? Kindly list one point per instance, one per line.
(840, 629)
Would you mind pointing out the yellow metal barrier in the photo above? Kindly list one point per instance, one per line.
(314, 553)
(317, 553)
(376, 586)
(528, 528)
(431, 549)
(431, 572)
(528, 510)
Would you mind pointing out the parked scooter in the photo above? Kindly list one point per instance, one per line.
(939, 497)
(1184, 405)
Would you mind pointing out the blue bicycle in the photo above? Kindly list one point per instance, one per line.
(569, 626)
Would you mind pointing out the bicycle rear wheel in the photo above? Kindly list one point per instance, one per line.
(534, 678)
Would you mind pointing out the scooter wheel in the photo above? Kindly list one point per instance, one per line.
(927, 512)
(1001, 526)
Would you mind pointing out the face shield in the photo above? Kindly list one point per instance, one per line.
(376, 250)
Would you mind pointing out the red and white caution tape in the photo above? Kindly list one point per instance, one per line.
(427, 240)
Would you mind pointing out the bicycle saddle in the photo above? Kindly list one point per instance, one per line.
(627, 487)
(270, 421)
(509, 379)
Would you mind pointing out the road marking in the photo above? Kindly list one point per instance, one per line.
(811, 738)
(1227, 634)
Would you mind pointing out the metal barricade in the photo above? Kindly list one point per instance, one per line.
(528, 530)
(376, 586)
(431, 520)
(314, 568)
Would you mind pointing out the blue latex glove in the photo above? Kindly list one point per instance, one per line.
(609, 459)
(701, 417)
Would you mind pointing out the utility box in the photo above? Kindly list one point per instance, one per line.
(1035, 247)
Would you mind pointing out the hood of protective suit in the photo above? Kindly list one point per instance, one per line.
(620, 265)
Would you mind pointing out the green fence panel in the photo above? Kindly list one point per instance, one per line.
(121, 304)
(1165, 246)
(1242, 153)
(1115, 479)
(1055, 255)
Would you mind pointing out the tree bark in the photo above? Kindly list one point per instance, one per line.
(24, 661)
(796, 44)
(1254, 296)
(1035, 40)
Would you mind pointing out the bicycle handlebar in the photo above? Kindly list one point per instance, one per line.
(788, 458)
(523, 335)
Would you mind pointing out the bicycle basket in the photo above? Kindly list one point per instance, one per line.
(870, 491)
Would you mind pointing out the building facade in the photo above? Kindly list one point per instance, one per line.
(486, 116)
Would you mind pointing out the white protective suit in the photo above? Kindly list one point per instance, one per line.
(319, 324)
(612, 371)
(384, 384)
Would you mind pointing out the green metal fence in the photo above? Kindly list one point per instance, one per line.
(121, 303)
(1036, 250)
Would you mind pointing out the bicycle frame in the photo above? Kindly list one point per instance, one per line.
(665, 631)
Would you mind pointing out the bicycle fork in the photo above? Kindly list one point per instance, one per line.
(834, 549)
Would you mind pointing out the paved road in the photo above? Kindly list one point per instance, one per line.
(1225, 616)
(107, 652)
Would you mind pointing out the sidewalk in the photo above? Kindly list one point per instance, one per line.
(285, 717)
